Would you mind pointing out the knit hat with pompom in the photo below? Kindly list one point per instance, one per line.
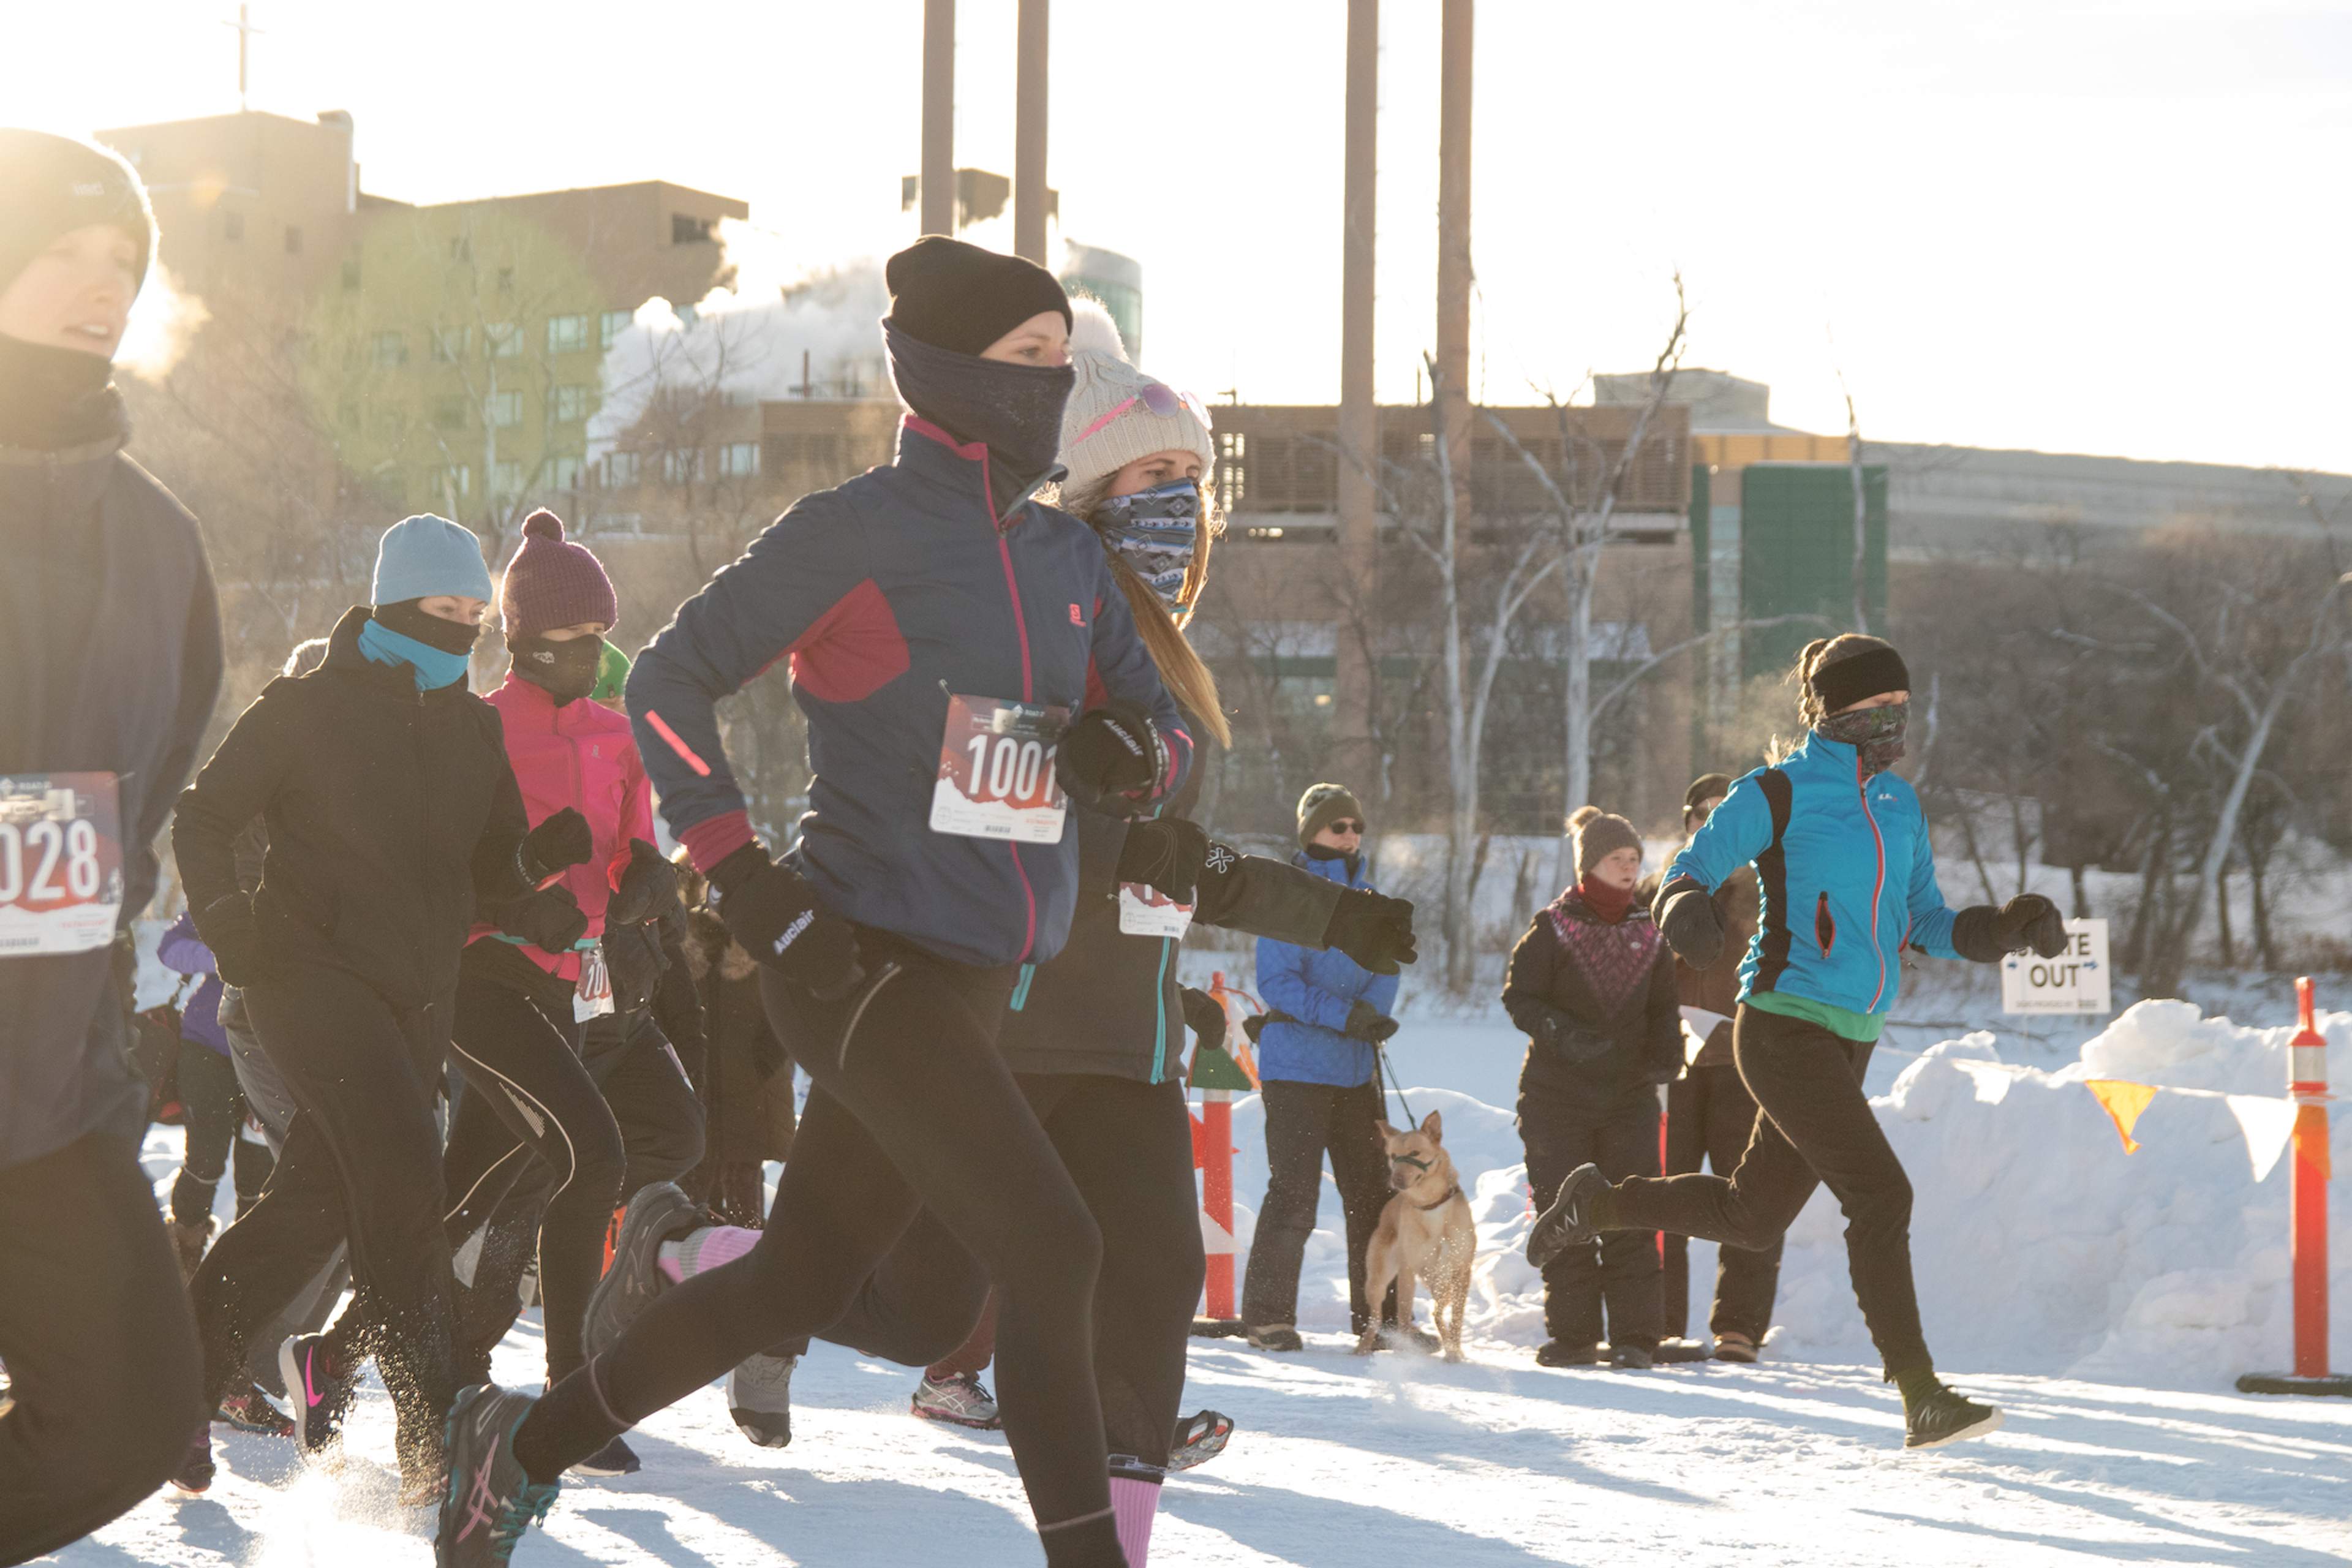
(550, 583)
(1598, 834)
(1107, 425)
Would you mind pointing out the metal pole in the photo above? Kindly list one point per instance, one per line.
(939, 117)
(1031, 72)
(1358, 430)
(1454, 268)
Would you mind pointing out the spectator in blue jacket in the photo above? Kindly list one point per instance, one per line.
(209, 1096)
(1318, 1064)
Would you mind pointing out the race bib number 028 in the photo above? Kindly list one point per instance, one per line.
(60, 863)
(996, 772)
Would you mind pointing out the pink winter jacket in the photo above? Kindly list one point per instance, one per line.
(581, 754)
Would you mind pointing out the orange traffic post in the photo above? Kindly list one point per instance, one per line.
(2307, 1213)
(1218, 1077)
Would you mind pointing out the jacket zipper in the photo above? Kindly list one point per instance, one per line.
(1020, 627)
(580, 794)
(1879, 888)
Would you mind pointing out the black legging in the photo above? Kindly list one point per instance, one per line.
(1813, 1126)
(94, 1327)
(916, 1110)
(528, 1097)
(214, 1108)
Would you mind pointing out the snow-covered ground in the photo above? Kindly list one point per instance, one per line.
(2106, 1301)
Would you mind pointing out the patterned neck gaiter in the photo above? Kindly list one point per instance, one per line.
(1875, 734)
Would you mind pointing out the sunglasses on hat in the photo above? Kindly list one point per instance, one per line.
(1157, 398)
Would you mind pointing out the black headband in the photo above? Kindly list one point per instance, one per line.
(1849, 680)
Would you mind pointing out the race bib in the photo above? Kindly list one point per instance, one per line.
(1145, 910)
(996, 772)
(592, 998)
(60, 863)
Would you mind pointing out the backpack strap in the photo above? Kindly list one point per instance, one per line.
(1772, 883)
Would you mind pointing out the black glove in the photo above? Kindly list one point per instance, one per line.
(1166, 853)
(239, 955)
(550, 919)
(1205, 1016)
(1110, 758)
(2030, 920)
(634, 958)
(773, 912)
(1689, 922)
(1367, 1023)
(555, 846)
(647, 888)
(1372, 929)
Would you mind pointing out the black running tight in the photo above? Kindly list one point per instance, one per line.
(915, 1109)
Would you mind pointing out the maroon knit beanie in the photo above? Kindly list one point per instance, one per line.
(550, 584)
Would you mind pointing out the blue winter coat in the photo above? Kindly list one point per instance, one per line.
(1844, 870)
(1316, 990)
(888, 594)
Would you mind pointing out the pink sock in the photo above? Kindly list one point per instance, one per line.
(1133, 1505)
(698, 1252)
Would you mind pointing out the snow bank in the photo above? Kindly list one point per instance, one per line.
(2039, 1247)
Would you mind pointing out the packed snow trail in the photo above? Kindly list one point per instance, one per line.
(1338, 1462)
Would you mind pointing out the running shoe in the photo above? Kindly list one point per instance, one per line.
(1947, 1417)
(490, 1501)
(1275, 1337)
(1199, 1437)
(657, 1214)
(320, 1390)
(1569, 1219)
(614, 1458)
(251, 1411)
(196, 1473)
(961, 1400)
(760, 1398)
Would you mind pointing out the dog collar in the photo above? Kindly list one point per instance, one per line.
(1452, 1193)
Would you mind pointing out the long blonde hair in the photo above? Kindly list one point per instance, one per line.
(1187, 676)
(1817, 653)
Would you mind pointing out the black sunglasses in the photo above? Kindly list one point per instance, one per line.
(1346, 827)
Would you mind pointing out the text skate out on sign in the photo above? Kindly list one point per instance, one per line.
(2077, 981)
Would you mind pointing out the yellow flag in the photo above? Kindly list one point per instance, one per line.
(2124, 1103)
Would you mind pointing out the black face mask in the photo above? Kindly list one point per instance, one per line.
(1875, 734)
(1013, 410)
(407, 617)
(566, 669)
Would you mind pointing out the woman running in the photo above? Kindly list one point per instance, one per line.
(393, 819)
(1847, 874)
(966, 665)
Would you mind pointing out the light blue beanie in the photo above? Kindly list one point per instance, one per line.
(424, 556)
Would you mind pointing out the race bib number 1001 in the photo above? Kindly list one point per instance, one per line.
(996, 772)
(60, 863)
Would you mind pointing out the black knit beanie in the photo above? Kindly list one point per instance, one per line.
(961, 297)
(51, 185)
(1707, 786)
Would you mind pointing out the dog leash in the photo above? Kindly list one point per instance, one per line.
(1389, 1078)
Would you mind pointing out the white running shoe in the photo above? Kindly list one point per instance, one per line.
(962, 1401)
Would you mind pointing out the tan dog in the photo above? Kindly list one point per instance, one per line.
(1425, 1233)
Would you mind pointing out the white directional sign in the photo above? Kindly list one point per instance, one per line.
(2077, 981)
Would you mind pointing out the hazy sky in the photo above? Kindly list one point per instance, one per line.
(2073, 225)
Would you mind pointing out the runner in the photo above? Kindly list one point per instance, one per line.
(112, 645)
(393, 816)
(1847, 876)
(934, 614)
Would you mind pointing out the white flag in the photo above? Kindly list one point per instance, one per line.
(2268, 1123)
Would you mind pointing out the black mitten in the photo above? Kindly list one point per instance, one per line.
(1205, 1017)
(550, 919)
(1165, 853)
(2030, 920)
(1372, 929)
(555, 846)
(1367, 1023)
(1688, 920)
(647, 888)
(1110, 758)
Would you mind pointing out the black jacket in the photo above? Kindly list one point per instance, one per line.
(1107, 1003)
(109, 640)
(392, 813)
(1597, 1002)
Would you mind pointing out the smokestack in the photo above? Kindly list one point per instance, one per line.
(1358, 420)
(939, 117)
(1030, 74)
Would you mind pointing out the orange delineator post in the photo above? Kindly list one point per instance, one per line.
(2307, 1213)
(1218, 1076)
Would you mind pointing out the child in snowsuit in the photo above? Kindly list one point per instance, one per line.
(1593, 987)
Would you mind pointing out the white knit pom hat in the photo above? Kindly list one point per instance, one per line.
(1105, 425)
